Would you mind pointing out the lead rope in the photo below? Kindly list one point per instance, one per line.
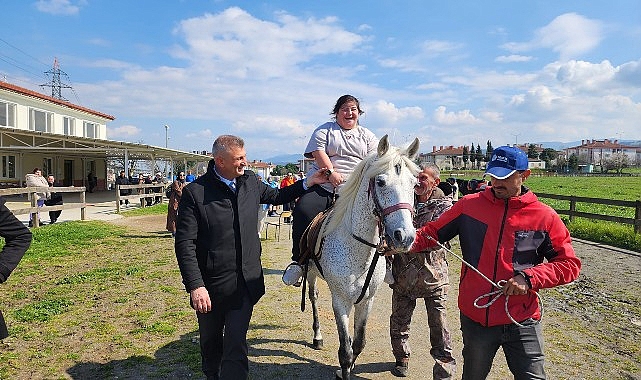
(494, 295)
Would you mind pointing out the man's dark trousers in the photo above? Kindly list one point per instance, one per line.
(223, 338)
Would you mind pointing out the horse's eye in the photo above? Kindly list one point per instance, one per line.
(380, 181)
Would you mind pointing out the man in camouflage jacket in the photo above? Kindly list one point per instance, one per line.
(423, 275)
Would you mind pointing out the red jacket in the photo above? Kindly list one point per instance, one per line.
(501, 238)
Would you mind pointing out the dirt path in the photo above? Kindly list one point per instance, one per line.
(592, 327)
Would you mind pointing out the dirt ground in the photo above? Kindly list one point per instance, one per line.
(592, 327)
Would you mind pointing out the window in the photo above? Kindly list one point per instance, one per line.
(40, 120)
(47, 166)
(91, 129)
(69, 126)
(8, 167)
(7, 114)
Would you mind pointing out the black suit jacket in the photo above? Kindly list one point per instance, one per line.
(217, 243)
(17, 239)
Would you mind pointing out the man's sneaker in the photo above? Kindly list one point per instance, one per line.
(400, 369)
(293, 274)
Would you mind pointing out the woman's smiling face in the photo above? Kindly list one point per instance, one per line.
(347, 116)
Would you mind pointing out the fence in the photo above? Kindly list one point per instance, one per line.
(34, 209)
(157, 190)
(572, 212)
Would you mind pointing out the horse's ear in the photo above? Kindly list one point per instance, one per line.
(383, 146)
(412, 150)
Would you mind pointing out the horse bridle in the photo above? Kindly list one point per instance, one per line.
(380, 214)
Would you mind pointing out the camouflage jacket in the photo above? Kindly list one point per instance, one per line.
(417, 275)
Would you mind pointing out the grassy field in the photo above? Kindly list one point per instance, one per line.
(626, 188)
(93, 300)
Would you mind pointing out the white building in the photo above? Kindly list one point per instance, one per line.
(64, 139)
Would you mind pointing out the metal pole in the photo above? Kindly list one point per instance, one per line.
(166, 146)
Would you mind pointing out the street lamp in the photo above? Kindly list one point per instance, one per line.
(166, 146)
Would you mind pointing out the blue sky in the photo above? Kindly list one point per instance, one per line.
(447, 72)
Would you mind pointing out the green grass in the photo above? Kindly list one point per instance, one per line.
(87, 290)
(626, 188)
(617, 188)
(150, 210)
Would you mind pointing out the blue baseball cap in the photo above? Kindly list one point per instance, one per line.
(505, 161)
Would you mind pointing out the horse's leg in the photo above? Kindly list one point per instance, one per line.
(361, 312)
(313, 297)
(342, 308)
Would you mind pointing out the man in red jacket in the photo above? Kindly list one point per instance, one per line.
(517, 242)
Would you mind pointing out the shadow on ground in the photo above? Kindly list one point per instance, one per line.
(181, 360)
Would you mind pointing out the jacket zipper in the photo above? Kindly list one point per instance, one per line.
(496, 258)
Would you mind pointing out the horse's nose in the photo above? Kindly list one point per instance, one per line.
(402, 238)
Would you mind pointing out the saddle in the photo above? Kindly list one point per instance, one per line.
(309, 240)
(308, 250)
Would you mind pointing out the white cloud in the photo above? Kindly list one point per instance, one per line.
(569, 34)
(512, 58)
(236, 44)
(124, 131)
(203, 134)
(58, 7)
(392, 115)
(465, 117)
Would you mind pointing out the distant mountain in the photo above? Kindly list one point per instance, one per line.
(284, 159)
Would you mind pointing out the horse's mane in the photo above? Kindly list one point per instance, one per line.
(368, 168)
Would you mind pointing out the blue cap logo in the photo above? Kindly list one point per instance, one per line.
(505, 161)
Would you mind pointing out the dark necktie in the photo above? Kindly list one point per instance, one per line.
(232, 186)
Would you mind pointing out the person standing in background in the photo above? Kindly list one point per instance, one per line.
(423, 275)
(174, 200)
(54, 200)
(35, 179)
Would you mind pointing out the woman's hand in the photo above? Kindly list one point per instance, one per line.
(335, 178)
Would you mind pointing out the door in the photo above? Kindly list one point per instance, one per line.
(67, 173)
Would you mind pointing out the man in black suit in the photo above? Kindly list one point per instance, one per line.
(17, 239)
(218, 251)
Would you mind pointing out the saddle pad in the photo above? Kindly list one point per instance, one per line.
(310, 237)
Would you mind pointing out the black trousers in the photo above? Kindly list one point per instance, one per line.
(223, 338)
(3, 328)
(313, 202)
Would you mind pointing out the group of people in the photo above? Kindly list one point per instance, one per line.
(44, 198)
(505, 234)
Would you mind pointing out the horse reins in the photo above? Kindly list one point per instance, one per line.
(496, 294)
(380, 214)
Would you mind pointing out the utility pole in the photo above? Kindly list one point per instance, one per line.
(55, 83)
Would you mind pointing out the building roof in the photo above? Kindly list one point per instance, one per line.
(602, 144)
(34, 94)
(15, 140)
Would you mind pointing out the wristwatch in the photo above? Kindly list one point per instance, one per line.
(329, 172)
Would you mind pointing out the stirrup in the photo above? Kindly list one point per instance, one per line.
(293, 274)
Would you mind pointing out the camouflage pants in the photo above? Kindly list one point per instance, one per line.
(440, 339)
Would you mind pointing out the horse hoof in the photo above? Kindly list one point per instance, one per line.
(318, 344)
(339, 374)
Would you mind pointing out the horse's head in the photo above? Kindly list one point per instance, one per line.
(392, 190)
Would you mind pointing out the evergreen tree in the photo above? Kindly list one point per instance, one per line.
(488, 151)
(531, 151)
(479, 156)
(465, 157)
(472, 155)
